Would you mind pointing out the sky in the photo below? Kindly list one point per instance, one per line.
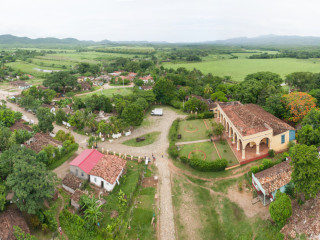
(158, 20)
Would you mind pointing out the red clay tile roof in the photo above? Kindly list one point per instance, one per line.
(11, 218)
(87, 160)
(77, 194)
(71, 181)
(251, 119)
(19, 83)
(149, 77)
(85, 85)
(41, 140)
(109, 168)
(275, 177)
(20, 125)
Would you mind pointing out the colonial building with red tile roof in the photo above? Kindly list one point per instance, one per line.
(82, 164)
(107, 171)
(269, 181)
(249, 125)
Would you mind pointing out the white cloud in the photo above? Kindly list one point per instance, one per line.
(154, 20)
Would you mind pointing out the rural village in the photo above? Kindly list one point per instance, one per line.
(124, 143)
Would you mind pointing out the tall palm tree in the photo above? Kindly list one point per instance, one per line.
(208, 89)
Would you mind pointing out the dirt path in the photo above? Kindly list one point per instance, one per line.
(60, 210)
(159, 150)
(191, 142)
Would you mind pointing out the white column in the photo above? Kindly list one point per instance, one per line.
(258, 149)
(238, 144)
(233, 138)
(229, 131)
(243, 153)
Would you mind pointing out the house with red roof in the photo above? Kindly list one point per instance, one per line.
(107, 171)
(250, 128)
(85, 162)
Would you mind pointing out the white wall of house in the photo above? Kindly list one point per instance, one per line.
(69, 189)
(78, 172)
(106, 185)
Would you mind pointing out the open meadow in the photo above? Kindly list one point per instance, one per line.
(238, 69)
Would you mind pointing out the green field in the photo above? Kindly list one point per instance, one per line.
(149, 139)
(110, 92)
(226, 152)
(239, 68)
(207, 147)
(192, 130)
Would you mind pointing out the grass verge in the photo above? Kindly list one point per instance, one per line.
(149, 139)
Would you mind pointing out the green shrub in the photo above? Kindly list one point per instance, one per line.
(281, 209)
(173, 131)
(184, 159)
(192, 117)
(271, 153)
(206, 115)
(173, 152)
(176, 104)
(266, 163)
(207, 166)
(290, 190)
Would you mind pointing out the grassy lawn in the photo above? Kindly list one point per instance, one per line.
(239, 68)
(149, 139)
(226, 152)
(214, 216)
(206, 147)
(192, 130)
(111, 92)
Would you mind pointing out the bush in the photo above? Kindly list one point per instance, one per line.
(281, 209)
(206, 166)
(206, 115)
(266, 163)
(184, 159)
(176, 104)
(173, 132)
(192, 117)
(271, 153)
(290, 190)
(173, 152)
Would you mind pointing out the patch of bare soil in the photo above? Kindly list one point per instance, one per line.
(305, 219)
(243, 199)
(188, 214)
(149, 182)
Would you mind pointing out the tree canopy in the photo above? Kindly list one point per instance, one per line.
(59, 81)
(257, 87)
(31, 183)
(298, 104)
(164, 90)
(306, 169)
(45, 118)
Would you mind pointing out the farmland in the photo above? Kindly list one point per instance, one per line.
(222, 65)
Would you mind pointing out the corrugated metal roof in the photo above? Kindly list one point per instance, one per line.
(87, 160)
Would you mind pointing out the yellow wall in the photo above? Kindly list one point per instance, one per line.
(276, 142)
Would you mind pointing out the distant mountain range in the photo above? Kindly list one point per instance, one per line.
(270, 40)
(267, 40)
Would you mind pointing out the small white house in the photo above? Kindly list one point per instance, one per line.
(271, 180)
(107, 172)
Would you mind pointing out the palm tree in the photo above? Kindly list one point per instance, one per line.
(208, 89)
